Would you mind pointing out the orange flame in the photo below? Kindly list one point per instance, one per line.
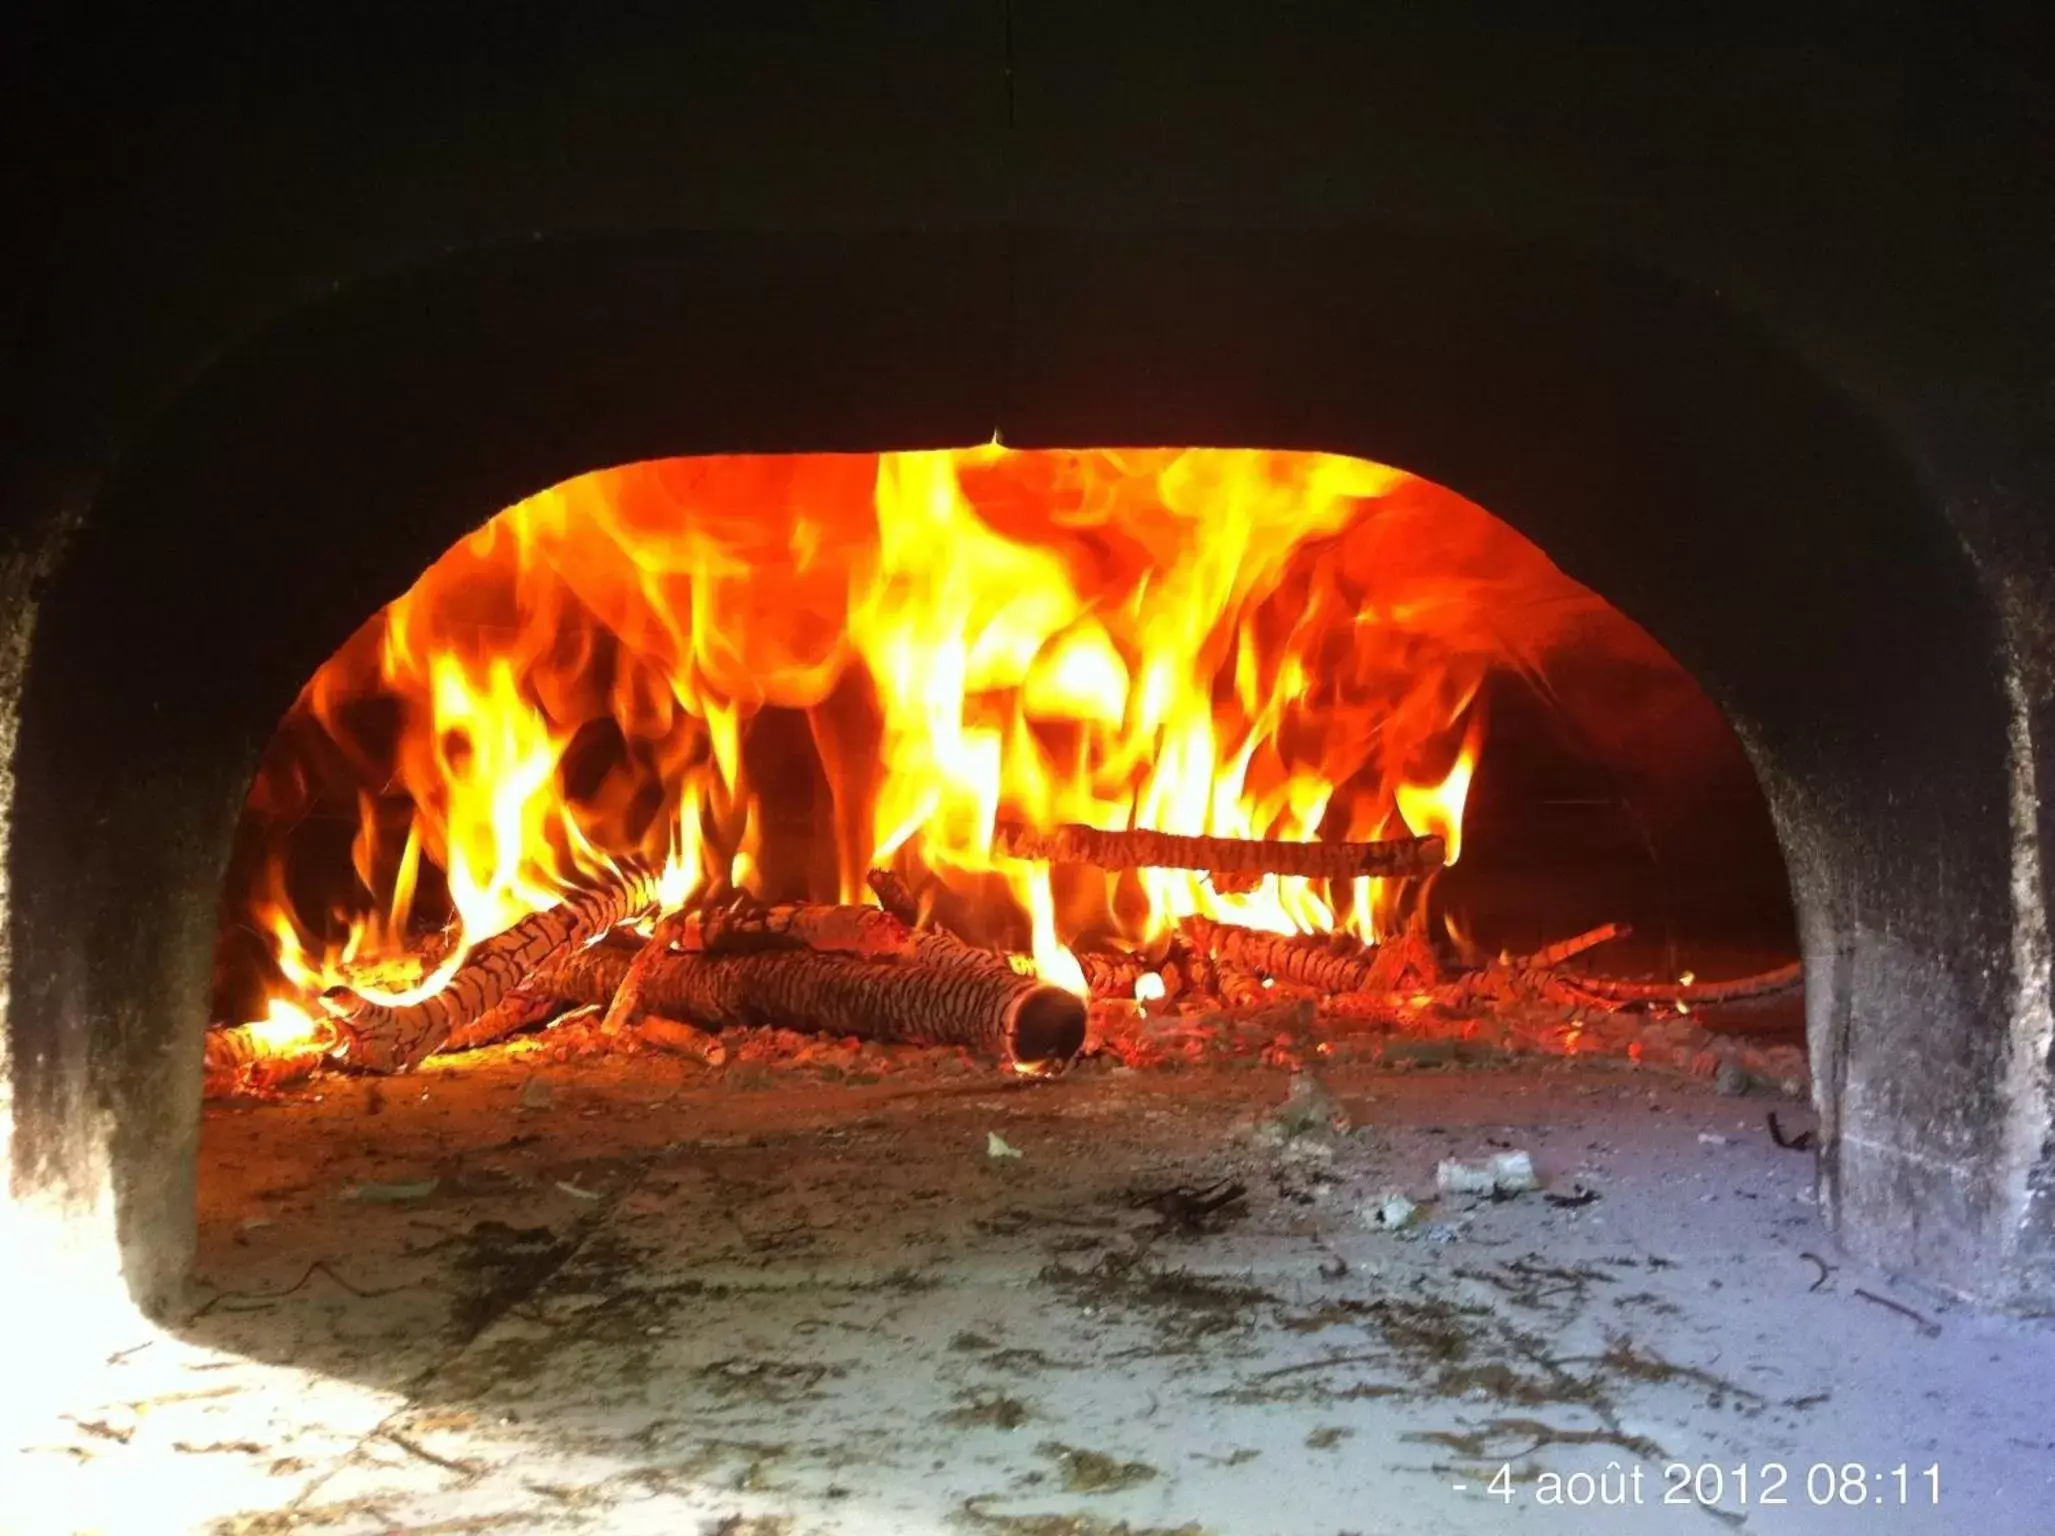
(1436, 810)
(770, 672)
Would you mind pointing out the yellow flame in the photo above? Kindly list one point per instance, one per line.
(288, 1027)
(1226, 643)
(1053, 962)
(1436, 810)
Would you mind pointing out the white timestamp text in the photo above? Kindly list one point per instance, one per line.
(1723, 1485)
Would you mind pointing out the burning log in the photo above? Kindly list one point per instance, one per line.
(1143, 848)
(984, 1004)
(895, 896)
(1113, 975)
(386, 1037)
(1692, 993)
(1237, 985)
(586, 975)
(244, 1058)
(933, 906)
(626, 1004)
(522, 1008)
(864, 932)
(867, 933)
(1405, 962)
(999, 1013)
(1325, 963)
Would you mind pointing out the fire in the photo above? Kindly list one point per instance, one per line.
(285, 1026)
(1437, 809)
(774, 672)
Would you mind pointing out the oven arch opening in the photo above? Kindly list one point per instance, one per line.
(1763, 531)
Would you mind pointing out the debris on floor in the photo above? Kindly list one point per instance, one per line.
(667, 1305)
(1501, 1175)
(1391, 1213)
(373, 1192)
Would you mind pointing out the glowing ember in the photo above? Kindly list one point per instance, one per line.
(286, 1026)
(773, 673)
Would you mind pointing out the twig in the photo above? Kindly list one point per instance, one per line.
(266, 1297)
(1926, 1324)
(1614, 990)
(1320, 1365)
(1187, 1208)
(626, 1004)
(1567, 949)
(1803, 1141)
(414, 1448)
(1825, 1269)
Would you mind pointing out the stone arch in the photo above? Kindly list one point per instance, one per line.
(1660, 451)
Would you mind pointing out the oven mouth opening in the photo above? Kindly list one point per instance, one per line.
(1143, 756)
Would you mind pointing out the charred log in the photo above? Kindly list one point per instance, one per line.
(626, 1003)
(1325, 963)
(985, 1006)
(868, 933)
(943, 950)
(523, 1008)
(381, 1037)
(932, 906)
(1237, 985)
(1142, 848)
(895, 896)
(1404, 962)
(1692, 993)
(238, 1059)
(1550, 956)
(1113, 975)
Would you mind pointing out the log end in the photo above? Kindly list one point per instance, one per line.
(339, 1001)
(1046, 1030)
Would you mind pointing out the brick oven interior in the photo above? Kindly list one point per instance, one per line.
(1646, 566)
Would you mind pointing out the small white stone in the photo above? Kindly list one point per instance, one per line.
(1452, 1177)
(1512, 1173)
(1505, 1173)
(1391, 1213)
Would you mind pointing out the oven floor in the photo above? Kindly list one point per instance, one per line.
(632, 1301)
